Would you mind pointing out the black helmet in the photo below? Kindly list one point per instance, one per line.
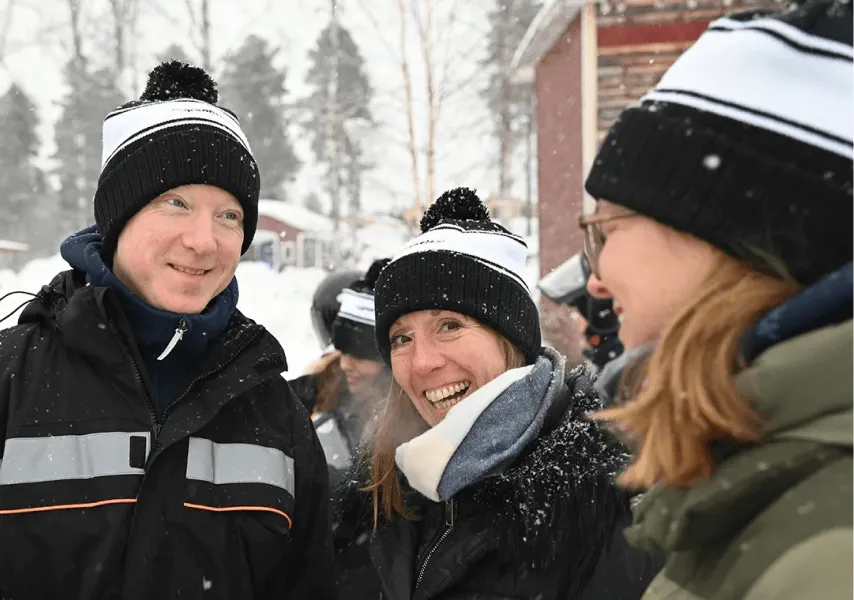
(567, 284)
(325, 305)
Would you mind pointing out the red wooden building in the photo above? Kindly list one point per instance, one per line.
(290, 235)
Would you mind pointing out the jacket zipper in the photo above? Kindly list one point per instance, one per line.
(176, 337)
(152, 412)
(210, 373)
(157, 422)
(450, 520)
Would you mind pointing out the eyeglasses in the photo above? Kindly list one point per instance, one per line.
(594, 236)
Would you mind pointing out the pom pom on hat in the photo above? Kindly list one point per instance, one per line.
(173, 79)
(465, 263)
(374, 271)
(367, 283)
(153, 144)
(458, 204)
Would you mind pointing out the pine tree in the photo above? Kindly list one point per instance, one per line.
(312, 203)
(332, 119)
(354, 168)
(254, 89)
(508, 103)
(91, 96)
(21, 182)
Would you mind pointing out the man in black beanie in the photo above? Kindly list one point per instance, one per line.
(150, 447)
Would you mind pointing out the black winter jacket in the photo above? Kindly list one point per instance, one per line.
(355, 577)
(225, 496)
(550, 527)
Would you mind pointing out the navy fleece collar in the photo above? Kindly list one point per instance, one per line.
(152, 328)
(826, 302)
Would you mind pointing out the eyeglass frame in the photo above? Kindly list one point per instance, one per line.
(590, 224)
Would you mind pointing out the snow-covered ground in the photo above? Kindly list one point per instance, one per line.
(279, 301)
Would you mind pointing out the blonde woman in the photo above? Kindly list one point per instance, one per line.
(724, 237)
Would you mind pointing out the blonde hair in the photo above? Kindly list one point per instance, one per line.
(399, 423)
(684, 396)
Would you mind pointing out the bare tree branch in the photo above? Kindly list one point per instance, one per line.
(200, 30)
(451, 77)
(123, 12)
(426, 35)
(205, 34)
(74, 7)
(378, 31)
(407, 82)
(191, 11)
(425, 38)
(243, 31)
(7, 25)
(157, 7)
(133, 20)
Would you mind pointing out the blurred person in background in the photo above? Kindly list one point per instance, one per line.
(343, 387)
(346, 389)
(597, 321)
(324, 373)
(484, 477)
(723, 233)
(150, 447)
(325, 304)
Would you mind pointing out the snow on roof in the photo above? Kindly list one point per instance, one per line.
(10, 246)
(545, 30)
(294, 215)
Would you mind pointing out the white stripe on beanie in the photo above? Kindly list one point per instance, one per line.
(125, 126)
(357, 306)
(500, 251)
(769, 74)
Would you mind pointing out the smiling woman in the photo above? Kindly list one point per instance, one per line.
(441, 357)
(734, 278)
(650, 268)
(476, 408)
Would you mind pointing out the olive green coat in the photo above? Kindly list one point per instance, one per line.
(775, 521)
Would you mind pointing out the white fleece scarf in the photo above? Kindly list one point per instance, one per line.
(424, 458)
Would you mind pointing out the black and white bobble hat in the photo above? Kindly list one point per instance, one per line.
(174, 135)
(746, 142)
(353, 331)
(465, 263)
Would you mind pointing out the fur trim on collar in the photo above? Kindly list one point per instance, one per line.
(561, 493)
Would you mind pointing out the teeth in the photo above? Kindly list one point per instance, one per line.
(447, 403)
(439, 395)
(189, 271)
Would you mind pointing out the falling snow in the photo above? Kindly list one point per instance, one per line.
(712, 162)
